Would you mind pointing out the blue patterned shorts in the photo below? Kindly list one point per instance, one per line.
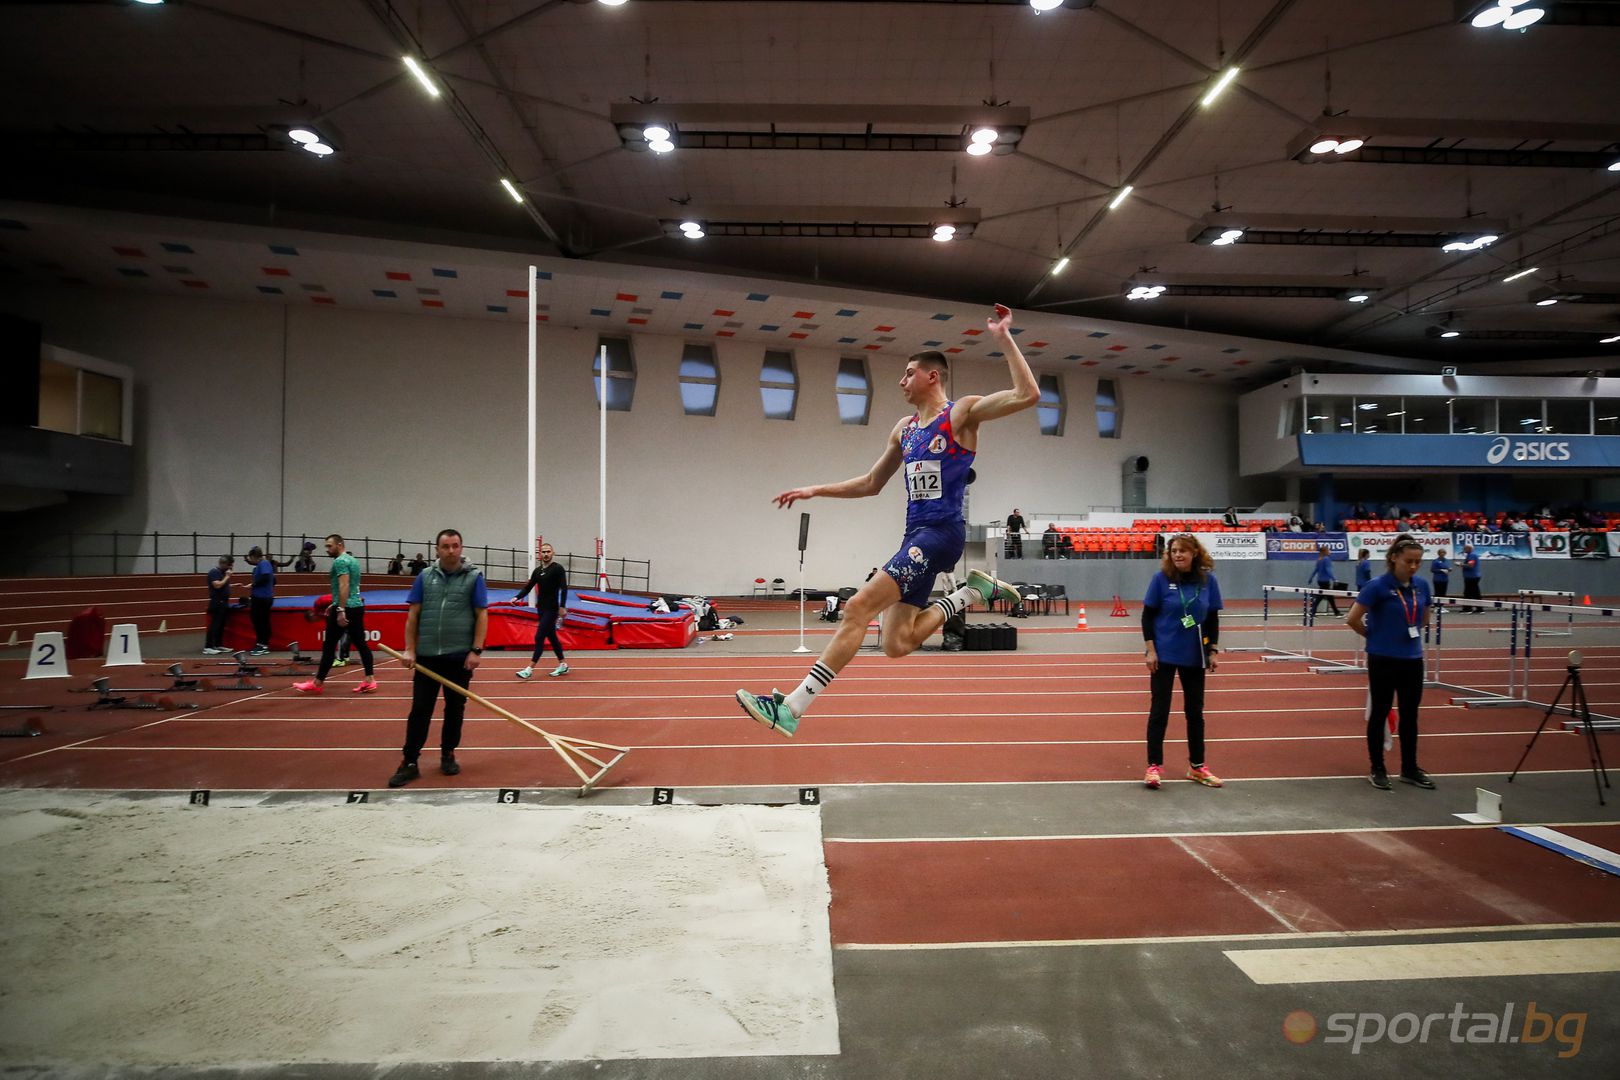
(926, 551)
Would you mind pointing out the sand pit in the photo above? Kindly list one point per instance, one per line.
(147, 933)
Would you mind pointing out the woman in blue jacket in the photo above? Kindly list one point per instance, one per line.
(1440, 570)
(1182, 625)
(1391, 612)
(1322, 578)
(1363, 569)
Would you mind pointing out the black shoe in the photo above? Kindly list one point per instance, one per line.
(1379, 779)
(450, 766)
(403, 775)
(1417, 778)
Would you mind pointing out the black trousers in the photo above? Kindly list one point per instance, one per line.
(357, 636)
(1391, 681)
(217, 614)
(1316, 601)
(425, 692)
(1440, 587)
(259, 610)
(1015, 547)
(546, 630)
(1471, 589)
(1163, 682)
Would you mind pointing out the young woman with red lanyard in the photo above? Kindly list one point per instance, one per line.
(1391, 612)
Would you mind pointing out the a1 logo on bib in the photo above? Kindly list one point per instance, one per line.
(938, 445)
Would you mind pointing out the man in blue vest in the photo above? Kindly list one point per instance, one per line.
(444, 634)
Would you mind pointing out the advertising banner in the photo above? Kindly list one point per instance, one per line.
(1229, 547)
(1584, 544)
(1548, 545)
(1493, 545)
(1303, 546)
(1498, 453)
(1614, 544)
(1377, 543)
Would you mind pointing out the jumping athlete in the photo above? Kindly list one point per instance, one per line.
(936, 446)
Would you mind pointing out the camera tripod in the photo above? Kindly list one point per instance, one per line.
(1579, 709)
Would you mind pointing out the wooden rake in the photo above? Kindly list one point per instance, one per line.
(567, 747)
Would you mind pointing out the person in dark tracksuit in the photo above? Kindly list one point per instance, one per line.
(261, 597)
(550, 584)
(1440, 571)
(444, 634)
(1391, 612)
(1181, 625)
(1322, 578)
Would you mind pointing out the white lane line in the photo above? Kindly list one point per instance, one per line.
(1431, 960)
(1204, 939)
(1168, 835)
(1354, 710)
(887, 743)
(1250, 896)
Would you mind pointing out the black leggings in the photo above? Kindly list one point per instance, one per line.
(357, 635)
(424, 692)
(1163, 683)
(1391, 681)
(259, 609)
(546, 630)
(1316, 601)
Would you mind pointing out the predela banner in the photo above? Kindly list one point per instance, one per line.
(1493, 545)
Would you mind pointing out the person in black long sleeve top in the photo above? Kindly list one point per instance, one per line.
(550, 586)
(1181, 625)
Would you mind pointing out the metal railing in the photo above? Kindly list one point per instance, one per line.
(83, 554)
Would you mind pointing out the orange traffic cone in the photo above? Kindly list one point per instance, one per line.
(1119, 611)
(1080, 624)
(1587, 599)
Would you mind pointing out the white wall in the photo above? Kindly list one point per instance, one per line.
(404, 424)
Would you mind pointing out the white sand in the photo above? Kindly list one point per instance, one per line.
(141, 933)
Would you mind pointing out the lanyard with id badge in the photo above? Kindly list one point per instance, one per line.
(1411, 612)
(1187, 620)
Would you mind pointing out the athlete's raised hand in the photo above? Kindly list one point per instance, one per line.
(788, 498)
(1001, 322)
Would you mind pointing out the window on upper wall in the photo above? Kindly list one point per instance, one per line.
(1050, 409)
(1473, 416)
(621, 373)
(778, 385)
(1109, 408)
(1426, 416)
(700, 380)
(1519, 416)
(1377, 415)
(854, 391)
(1569, 416)
(1606, 416)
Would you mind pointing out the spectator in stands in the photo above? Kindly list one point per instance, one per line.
(345, 615)
(1049, 542)
(305, 563)
(1181, 625)
(1404, 523)
(1471, 574)
(1230, 518)
(1440, 571)
(1542, 511)
(396, 565)
(1015, 534)
(417, 564)
(444, 634)
(1363, 569)
(1391, 612)
(1296, 523)
(1322, 578)
(219, 606)
(1358, 512)
(261, 597)
(1517, 524)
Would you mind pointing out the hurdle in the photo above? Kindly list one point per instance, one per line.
(567, 746)
(1533, 596)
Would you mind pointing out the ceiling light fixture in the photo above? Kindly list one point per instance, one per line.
(1124, 193)
(1614, 166)
(511, 189)
(802, 126)
(1062, 265)
(1549, 302)
(1044, 5)
(1451, 333)
(1335, 144)
(1359, 298)
(826, 222)
(1609, 340)
(1339, 230)
(1220, 84)
(1227, 238)
(319, 149)
(311, 141)
(421, 74)
(943, 233)
(1476, 244)
(611, 3)
(1522, 273)
(1145, 292)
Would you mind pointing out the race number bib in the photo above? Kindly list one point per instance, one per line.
(922, 481)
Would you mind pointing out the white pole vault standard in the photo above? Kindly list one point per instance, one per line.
(528, 286)
(567, 747)
(601, 539)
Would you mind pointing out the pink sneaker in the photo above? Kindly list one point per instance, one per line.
(1152, 777)
(308, 686)
(366, 686)
(1201, 775)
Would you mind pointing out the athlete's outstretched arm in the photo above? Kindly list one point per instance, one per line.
(858, 487)
(1025, 391)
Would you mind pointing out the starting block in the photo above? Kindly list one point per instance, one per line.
(109, 697)
(47, 659)
(181, 681)
(27, 729)
(124, 646)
